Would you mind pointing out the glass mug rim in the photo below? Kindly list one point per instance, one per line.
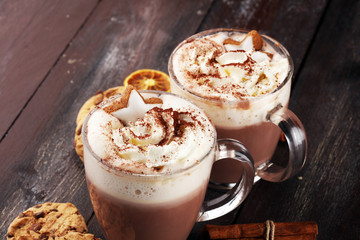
(120, 172)
(271, 40)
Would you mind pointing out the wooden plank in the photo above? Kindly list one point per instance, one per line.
(33, 35)
(38, 159)
(327, 99)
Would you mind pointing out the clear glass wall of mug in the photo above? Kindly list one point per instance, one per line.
(138, 201)
(197, 68)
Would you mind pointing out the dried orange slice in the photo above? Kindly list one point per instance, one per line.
(148, 79)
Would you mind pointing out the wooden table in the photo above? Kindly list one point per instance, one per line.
(55, 54)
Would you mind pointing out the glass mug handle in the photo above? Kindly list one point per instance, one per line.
(296, 139)
(230, 148)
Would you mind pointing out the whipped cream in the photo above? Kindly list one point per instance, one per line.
(228, 66)
(236, 77)
(150, 139)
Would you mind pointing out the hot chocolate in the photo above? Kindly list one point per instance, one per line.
(125, 219)
(240, 79)
(147, 162)
(234, 73)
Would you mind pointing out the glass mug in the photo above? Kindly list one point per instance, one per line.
(261, 131)
(165, 213)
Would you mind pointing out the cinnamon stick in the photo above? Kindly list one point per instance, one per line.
(258, 231)
(298, 237)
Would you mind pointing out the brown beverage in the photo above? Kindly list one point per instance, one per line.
(147, 160)
(262, 150)
(130, 220)
(242, 80)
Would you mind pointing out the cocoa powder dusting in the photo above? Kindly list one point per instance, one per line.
(172, 124)
(247, 65)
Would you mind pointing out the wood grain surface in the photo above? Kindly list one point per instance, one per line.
(326, 97)
(33, 36)
(57, 54)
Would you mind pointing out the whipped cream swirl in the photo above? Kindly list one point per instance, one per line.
(162, 138)
(229, 66)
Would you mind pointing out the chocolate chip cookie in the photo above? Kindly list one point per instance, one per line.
(84, 111)
(50, 221)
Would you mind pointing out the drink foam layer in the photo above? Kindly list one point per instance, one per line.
(229, 66)
(142, 144)
(237, 77)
